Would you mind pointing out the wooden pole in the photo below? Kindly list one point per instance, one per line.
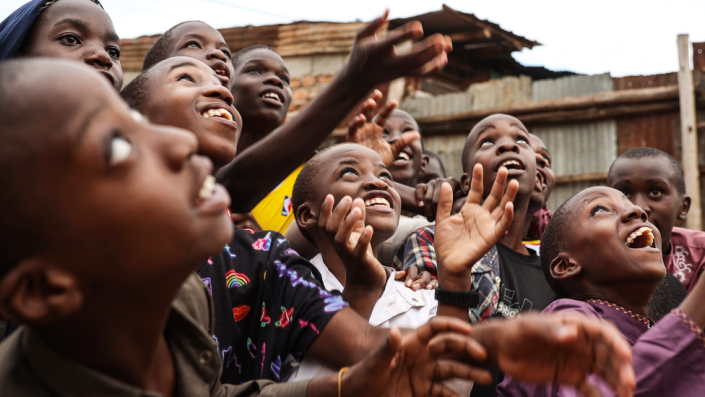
(689, 134)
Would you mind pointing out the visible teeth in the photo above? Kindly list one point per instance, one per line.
(206, 191)
(639, 232)
(272, 95)
(377, 201)
(511, 162)
(217, 113)
(211, 112)
(403, 156)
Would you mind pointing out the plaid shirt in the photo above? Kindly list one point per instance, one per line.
(418, 250)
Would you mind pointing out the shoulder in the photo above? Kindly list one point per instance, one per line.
(193, 300)
(571, 305)
(16, 376)
(688, 238)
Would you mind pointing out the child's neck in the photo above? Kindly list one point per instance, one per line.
(631, 296)
(121, 337)
(513, 238)
(250, 136)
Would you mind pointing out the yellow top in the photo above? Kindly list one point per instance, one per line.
(275, 211)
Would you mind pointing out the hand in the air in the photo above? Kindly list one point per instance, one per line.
(428, 194)
(367, 130)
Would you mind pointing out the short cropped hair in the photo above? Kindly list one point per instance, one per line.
(647, 152)
(668, 296)
(553, 242)
(158, 51)
(236, 57)
(135, 93)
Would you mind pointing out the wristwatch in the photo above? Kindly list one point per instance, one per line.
(457, 298)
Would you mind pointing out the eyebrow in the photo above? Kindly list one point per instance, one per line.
(656, 180)
(262, 61)
(83, 128)
(181, 65)
(593, 198)
(77, 22)
(348, 162)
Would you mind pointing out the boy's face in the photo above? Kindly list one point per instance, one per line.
(649, 183)
(543, 166)
(186, 93)
(126, 196)
(433, 170)
(201, 41)
(358, 172)
(78, 30)
(405, 168)
(601, 239)
(502, 141)
(261, 88)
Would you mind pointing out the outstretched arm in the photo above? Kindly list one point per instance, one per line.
(256, 171)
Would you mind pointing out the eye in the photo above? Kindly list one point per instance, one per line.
(114, 52)
(253, 70)
(655, 193)
(70, 39)
(348, 171)
(626, 193)
(596, 209)
(548, 161)
(120, 150)
(521, 139)
(285, 79)
(385, 132)
(385, 175)
(227, 53)
(186, 77)
(192, 44)
(486, 142)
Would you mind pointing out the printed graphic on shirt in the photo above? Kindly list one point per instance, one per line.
(507, 308)
(276, 368)
(229, 358)
(207, 282)
(305, 324)
(240, 312)
(264, 243)
(235, 279)
(680, 264)
(264, 319)
(251, 348)
(286, 206)
(285, 318)
(227, 249)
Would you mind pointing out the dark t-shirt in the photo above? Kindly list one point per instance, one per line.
(268, 303)
(523, 286)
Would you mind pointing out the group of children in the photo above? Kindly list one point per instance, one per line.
(196, 244)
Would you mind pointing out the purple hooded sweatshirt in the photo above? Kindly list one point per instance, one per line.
(669, 359)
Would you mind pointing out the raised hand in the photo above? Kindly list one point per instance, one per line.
(373, 60)
(462, 239)
(367, 130)
(364, 275)
(428, 194)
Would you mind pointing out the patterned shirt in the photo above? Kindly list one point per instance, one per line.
(269, 305)
(418, 250)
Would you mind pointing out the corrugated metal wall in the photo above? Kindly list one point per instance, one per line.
(577, 148)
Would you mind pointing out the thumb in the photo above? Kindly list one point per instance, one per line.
(445, 203)
(404, 140)
(373, 26)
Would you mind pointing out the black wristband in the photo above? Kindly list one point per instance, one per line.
(457, 298)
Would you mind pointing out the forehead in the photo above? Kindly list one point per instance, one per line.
(263, 54)
(200, 29)
(583, 199)
(401, 117)
(500, 124)
(642, 168)
(345, 153)
(81, 10)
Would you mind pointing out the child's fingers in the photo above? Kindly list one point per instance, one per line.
(476, 190)
(404, 140)
(400, 275)
(423, 52)
(363, 244)
(501, 227)
(383, 115)
(435, 65)
(368, 109)
(438, 325)
(326, 212)
(421, 281)
(339, 213)
(445, 203)
(459, 346)
(346, 227)
(373, 26)
(409, 31)
(411, 273)
(509, 195)
(432, 285)
(354, 126)
(420, 193)
(447, 369)
(495, 196)
(440, 390)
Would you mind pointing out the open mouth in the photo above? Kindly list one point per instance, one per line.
(378, 202)
(207, 188)
(220, 112)
(512, 165)
(641, 238)
(403, 157)
(272, 95)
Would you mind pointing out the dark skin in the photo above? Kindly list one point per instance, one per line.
(371, 62)
(201, 41)
(546, 178)
(406, 167)
(433, 170)
(182, 92)
(78, 30)
(494, 141)
(649, 182)
(92, 155)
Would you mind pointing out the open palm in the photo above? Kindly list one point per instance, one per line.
(462, 239)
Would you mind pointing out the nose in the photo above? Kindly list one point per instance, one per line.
(507, 146)
(634, 212)
(274, 80)
(174, 145)
(217, 54)
(540, 161)
(218, 91)
(375, 183)
(98, 58)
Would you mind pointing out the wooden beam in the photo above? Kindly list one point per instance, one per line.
(689, 134)
(587, 177)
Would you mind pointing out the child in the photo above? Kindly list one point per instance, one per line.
(610, 273)
(538, 214)
(147, 328)
(79, 30)
(654, 181)
(434, 168)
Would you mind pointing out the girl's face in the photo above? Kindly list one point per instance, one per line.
(79, 30)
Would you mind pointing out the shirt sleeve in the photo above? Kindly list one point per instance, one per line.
(418, 250)
(261, 388)
(669, 360)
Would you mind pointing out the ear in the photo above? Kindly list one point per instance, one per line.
(563, 268)
(465, 183)
(306, 217)
(424, 162)
(35, 292)
(685, 207)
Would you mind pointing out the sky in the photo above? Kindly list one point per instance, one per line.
(622, 37)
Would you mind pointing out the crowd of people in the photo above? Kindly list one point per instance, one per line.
(193, 243)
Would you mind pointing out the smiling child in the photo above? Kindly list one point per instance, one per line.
(78, 30)
(611, 273)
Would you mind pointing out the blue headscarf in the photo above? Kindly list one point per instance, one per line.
(14, 29)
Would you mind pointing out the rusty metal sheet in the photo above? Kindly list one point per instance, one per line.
(659, 131)
(571, 86)
(649, 81)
